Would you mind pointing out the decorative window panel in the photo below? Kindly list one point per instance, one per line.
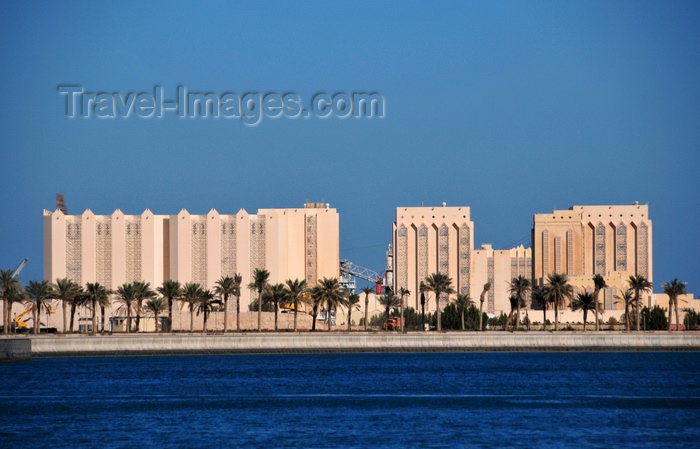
(599, 250)
(491, 296)
(608, 299)
(621, 247)
(228, 245)
(257, 243)
(103, 251)
(643, 250)
(545, 252)
(464, 258)
(199, 249)
(422, 253)
(132, 241)
(311, 250)
(402, 257)
(443, 250)
(570, 252)
(557, 254)
(74, 246)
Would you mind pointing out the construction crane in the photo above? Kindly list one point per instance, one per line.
(349, 271)
(20, 267)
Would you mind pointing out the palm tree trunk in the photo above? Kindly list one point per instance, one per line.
(481, 313)
(72, 317)
(191, 318)
(35, 312)
(401, 324)
(128, 318)
(556, 316)
(156, 317)
(349, 316)
(259, 310)
(170, 313)
(295, 313)
(366, 310)
(585, 318)
(439, 323)
(94, 317)
(138, 315)
(238, 313)
(596, 294)
(64, 315)
(204, 321)
(462, 319)
(225, 313)
(328, 316)
(675, 306)
(102, 317)
(639, 309)
(627, 318)
(544, 316)
(517, 316)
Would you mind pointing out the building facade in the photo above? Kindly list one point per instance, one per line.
(114, 249)
(613, 241)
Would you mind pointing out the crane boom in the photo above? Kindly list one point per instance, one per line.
(20, 267)
(359, 272)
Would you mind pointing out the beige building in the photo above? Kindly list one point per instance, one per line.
(113, 249)
(613, 241)
(430, 240)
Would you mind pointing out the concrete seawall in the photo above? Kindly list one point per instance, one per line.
(73, 345)
(15, 349)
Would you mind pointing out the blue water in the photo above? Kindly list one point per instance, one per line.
(583, 400)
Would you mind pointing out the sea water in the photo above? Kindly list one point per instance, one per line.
(435, 400)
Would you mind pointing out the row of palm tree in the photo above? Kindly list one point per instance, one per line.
(327, 294)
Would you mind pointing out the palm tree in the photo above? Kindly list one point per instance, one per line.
(328, 290)
(11, 287)
(558, 290)
(38, 295)
(273, 294)
(403, 292)
(65, 290)
(191, 294)
(225, 287)
(96, 294)
(353, 301)
(519, 287)
(482, 297)
(205, 305)
(463, 302)
(440, 284)
(171, 291)
(143, 292)
(260, 278)
(389, 301)
(542, 297)
(367, 290)
(126, 294)
(598, 285)
(514, 303)
(627, 298)
(639, 284)
(585, 301)
(673, 289)
(156, 305)
(422, 288)
(314, 302)
(294, 291)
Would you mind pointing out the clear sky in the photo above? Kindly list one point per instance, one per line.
(510, 108)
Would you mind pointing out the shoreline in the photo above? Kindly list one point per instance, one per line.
(355, 342)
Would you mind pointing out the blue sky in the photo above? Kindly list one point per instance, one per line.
(510, 108)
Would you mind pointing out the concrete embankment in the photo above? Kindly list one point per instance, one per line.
(15, 349)
(73, 345)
